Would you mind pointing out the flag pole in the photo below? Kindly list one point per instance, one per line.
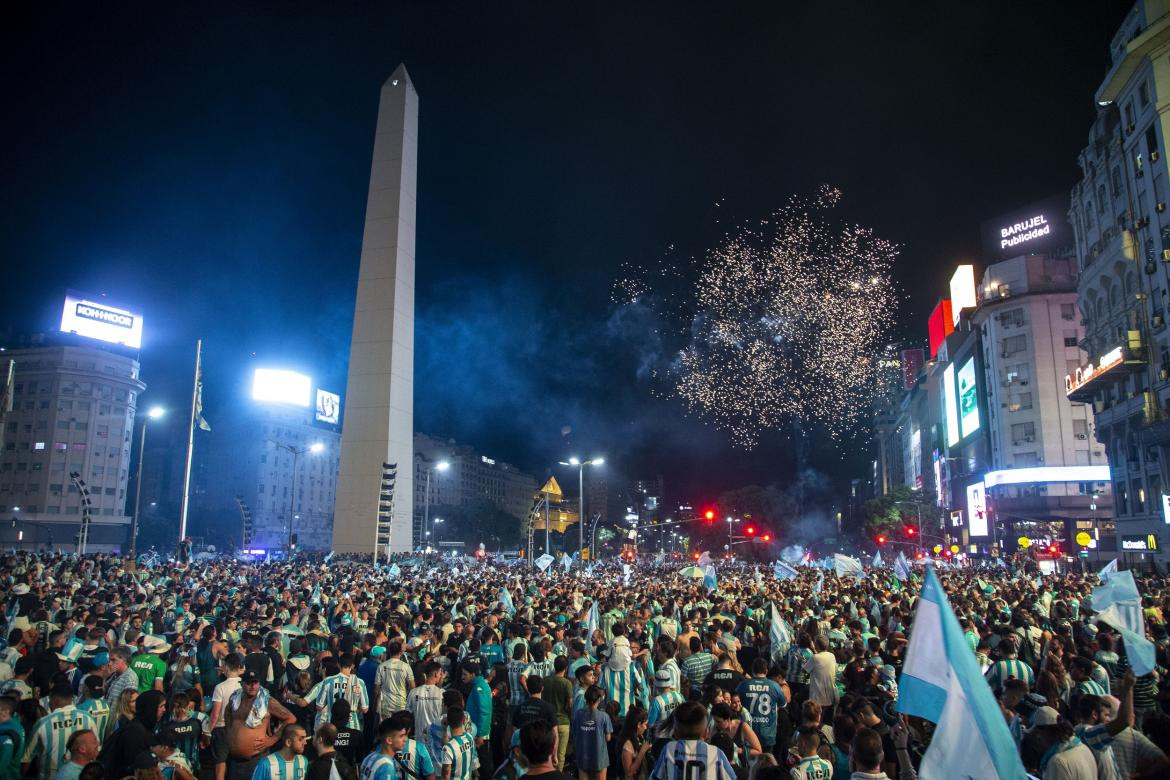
(190, 444)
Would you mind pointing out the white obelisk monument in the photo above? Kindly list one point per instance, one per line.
(379, 397)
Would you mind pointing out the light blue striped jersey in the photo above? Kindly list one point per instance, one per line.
(417, 758)
(459, 753)
(692, 759)
(274, 767)
(516, 692)
(1010, 667)
(621, 685)
(379, 766)
(99, 712)
(341, 686)
(49, 736)
(662, 705)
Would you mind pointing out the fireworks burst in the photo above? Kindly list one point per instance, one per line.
(782, 322)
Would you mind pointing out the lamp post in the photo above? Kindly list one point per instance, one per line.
(296, 452)
(155, 413)
(440, 466)
(581, 464)
(435, 526)
(730, 534)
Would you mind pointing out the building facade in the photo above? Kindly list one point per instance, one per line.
(468, 478)
(73, 411)
(1122, 230)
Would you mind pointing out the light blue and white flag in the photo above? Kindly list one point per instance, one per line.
(783, 571)
(567, 562)
(544, 561)
(394, 570)
(1119, 604)
(819, 585)
(315, 596)
(627, 572)
(329, 557)
(779, 634)
(847, 567)
(1109, 571)
(877, 559)
(593, 621)
(901, 567)
(941, 682)
(506, 600)
(710, 581)
(704, 559)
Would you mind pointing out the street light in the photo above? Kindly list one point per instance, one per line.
(154, 413)
(296, 452)
(440, 466)
(581, 464)
(434, 524)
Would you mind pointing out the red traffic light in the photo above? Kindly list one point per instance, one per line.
(767, 537)
(946, 553)
(881, 540)
(919, 556)
(750, 530)
(709, 515)
(1052, 549)
(911, 530)
(695, 556)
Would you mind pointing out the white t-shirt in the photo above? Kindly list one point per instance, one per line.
(222, 693)
(1076, 763)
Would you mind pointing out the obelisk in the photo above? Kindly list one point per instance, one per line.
(378, 423)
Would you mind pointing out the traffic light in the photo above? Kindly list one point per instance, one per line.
(767, 537)
(1053, 549)
(919, 555)
(881, 539)
(695, 556)
(911, 530)
(750, 530)
(709, 515)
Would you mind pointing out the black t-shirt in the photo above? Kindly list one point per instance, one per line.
(346, 743)
(727, 679)
(534, 709)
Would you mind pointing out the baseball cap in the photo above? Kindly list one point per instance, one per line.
(377, 651)
(662, 679)
(1045, 716)
(249, 677)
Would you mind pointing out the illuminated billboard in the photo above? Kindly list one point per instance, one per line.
(951, 405)
(1038, 227)
(939, 326)
(962, 291)
(328, 407)
(968, 399)
(282, 387)
(976, 510)
(97, 319)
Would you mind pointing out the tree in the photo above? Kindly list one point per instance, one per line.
(900, 507)
(479, 521)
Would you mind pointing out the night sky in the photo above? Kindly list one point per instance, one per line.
(209, 164)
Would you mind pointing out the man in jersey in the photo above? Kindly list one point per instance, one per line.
(94, 705)
(516, 674)
(51, 733)
(82, 747)
(248, 722)
(1009, 666)
(11, 740)
(289, 763)
(460, 757)
(329, 764)
(381, 764)
(586, 679)
(425, 702)
(187, 726)
(688, 757)
(764, 698)
(664, 660)
(171, 760)
(341, 683)
(148, 666)
(479, 707)
(666, 700)
(415, 756)
(392, 682)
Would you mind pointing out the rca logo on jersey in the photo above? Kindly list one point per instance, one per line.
(89, 311)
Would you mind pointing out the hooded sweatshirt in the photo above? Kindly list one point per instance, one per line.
(128, 742)
(11, 748)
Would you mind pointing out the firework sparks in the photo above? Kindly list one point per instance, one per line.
(782, 321)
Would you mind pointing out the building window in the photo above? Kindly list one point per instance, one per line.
(1023, 432)
(1070, 338)
(1115, 181)
(1121, 498)
(60, 446)
(1152, 140)
(40, 445)
(1101, 201)
(1138, 496)
(1014, 344)
(1019, 402)
(1068, 311)
(1080, 429)
(1144, 94)
(1023, 460)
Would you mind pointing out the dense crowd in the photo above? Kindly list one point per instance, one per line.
(459, 669)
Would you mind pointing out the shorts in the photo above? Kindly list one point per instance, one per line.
(219, 746)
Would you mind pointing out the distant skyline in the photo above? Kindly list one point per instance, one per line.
(212, 170)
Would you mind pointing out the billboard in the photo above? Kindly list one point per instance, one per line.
(951, 405)
(968, 399)
(98, 319)
(939, 326)
(328, 407)
(1038, 227)
(962, 291)
(282, 387)
(977, 510)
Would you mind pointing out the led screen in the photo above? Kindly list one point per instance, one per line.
(968, 399)
(977, 509)
(952, 406)
(101, 320)
(328, 407)
(282, 387)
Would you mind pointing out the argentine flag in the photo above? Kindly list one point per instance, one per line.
(1119, 604)
(819, 585)
(592, 622)
(901, 567)
(877, 559)
(847, 567)
(315, 596)
(506, 600)
(941, 682)
(704, 559)
(779, 634)
(710, 581)
(1109, 572)
(544, 561)
(567, 561)
(783, 571)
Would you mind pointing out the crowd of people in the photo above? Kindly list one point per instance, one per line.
(454, 670)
